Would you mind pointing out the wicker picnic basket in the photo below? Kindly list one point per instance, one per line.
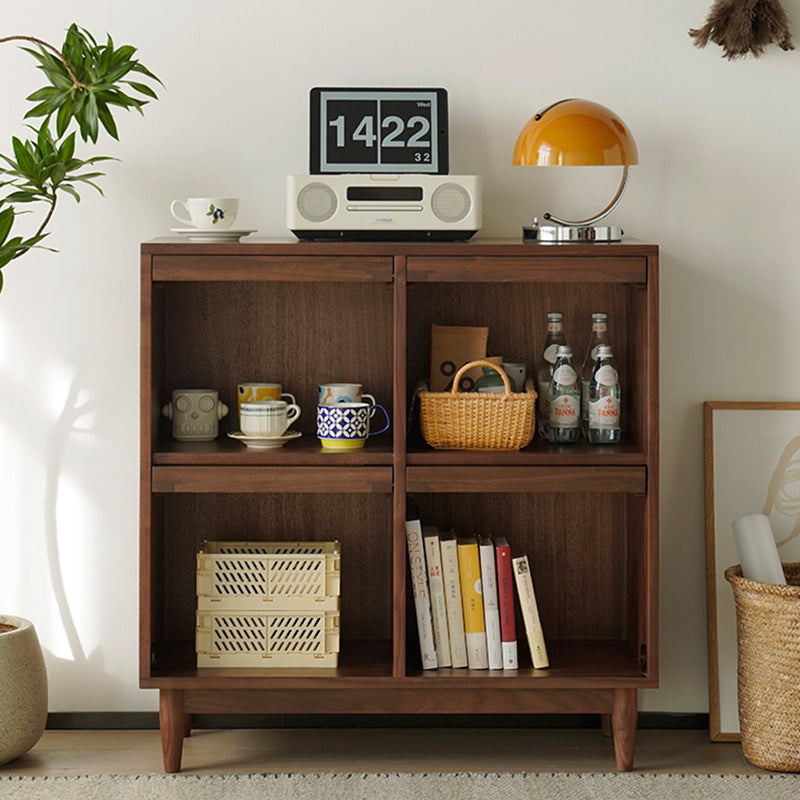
(478, 420)
(768, 634)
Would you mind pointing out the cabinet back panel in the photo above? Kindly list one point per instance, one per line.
(578, 557)
(217, 335)
(516, 315)
(361, 523)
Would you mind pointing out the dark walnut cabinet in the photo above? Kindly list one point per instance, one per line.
(300, 313)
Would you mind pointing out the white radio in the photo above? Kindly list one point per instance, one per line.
(413, 207)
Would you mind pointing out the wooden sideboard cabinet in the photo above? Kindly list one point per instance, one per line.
(304, 313)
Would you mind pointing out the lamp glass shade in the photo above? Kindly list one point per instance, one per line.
(575, 133)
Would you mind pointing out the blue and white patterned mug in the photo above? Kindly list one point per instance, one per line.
(346, 426)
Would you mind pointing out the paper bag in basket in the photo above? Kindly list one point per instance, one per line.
(452, 346)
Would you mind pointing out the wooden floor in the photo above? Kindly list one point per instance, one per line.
(257, 751)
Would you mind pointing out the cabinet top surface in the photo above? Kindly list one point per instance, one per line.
(472, 248)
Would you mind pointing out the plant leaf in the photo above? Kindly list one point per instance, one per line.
(6, 221)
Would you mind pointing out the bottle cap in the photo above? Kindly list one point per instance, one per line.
(555, 316)
(599, 316)
(604, 351)
(563, 351)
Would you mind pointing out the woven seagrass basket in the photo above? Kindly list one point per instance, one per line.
(478, 420)
(768, 633)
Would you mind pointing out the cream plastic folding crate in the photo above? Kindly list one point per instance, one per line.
(249, 576)
(267, 639)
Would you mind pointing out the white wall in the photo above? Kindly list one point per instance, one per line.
(716, 188)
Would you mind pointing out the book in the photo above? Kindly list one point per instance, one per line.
(469, 570)
(452, 598)
(505, 599)
(433, 559)
(530, 612)
(419, 588)
(491, 610)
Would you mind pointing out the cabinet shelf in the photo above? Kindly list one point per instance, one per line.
(574, 665)
(359, 660)
(538, 453)
(631, 480)
(304, 451)
(271, 479)
(304, 313)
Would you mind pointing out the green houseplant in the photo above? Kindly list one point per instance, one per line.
(85, 81)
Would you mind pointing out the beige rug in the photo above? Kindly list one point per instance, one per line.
(412, 786)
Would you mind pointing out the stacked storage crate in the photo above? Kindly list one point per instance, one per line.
(268, 604)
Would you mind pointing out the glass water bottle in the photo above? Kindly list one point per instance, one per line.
(604, 400)
(555, 337)
(599, 336)
(565, 399)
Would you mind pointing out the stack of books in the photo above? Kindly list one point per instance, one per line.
(463, 592)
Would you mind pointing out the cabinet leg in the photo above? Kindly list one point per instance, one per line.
(624, 716)
(172, 721)
(605, 725)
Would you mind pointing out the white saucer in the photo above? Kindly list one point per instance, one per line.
(226, 235)
(265, 442)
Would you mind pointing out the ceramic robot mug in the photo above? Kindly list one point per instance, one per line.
(330, 393)
(346, 426)
(206, 213)
(195, 414)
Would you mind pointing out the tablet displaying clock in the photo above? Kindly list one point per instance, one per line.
(378, 130)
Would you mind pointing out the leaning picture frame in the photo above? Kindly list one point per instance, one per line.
(752, 466)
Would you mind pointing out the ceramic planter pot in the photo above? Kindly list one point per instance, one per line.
(23, 688)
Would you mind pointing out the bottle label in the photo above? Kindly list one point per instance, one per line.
(555, 327)
(550, 354)
(604, 413)
(606, 375)
(599, 327)
(565, 375)
(565, 411)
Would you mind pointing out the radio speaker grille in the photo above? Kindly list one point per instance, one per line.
(317, 202)
(451, 202)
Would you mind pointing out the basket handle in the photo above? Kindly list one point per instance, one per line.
(470, 364)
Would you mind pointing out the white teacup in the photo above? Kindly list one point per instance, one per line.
(206, 213)
(267, 418)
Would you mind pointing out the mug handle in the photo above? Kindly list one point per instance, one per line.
(179, 204)
(291, 400)
(371, 399)
(372, 410)
(290, 418)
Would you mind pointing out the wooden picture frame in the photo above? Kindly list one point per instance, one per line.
(752, 466)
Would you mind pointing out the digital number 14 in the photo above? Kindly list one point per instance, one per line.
(365, 131)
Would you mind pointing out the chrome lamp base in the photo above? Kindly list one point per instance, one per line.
(571, 233)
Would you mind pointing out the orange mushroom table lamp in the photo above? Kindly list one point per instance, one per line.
(576, 133)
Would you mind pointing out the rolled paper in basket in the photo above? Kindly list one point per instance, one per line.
(757, 551)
